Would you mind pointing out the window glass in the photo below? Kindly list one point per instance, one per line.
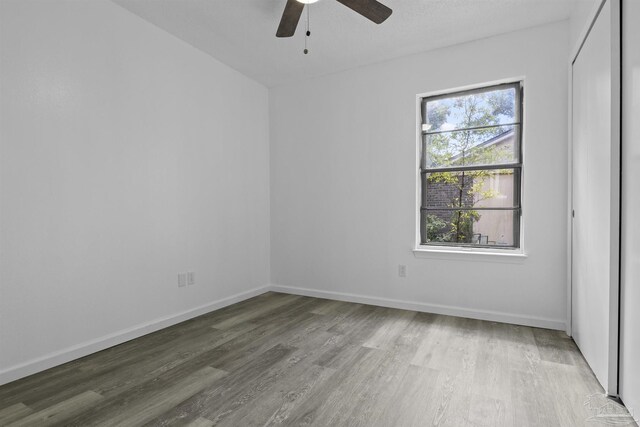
(475, 227)
(489, 146)
(485, 107)
(479, 188)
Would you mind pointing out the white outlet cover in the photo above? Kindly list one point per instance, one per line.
(191, 278)
(402, 270)
(182, 280)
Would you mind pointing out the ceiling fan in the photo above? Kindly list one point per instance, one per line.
(370, 9)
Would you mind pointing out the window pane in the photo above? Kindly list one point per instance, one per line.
(474, 188)
(488, 146)
(489, 108)
(473, 228)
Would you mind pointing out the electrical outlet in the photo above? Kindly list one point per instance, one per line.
(182, 280)
(402, 271)
(191, 278)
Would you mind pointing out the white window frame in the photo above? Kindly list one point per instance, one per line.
(447, 251)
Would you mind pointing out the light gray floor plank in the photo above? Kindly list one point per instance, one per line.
(265, 308)
(200, 422)
(60, 411)
(14, 412)
(227, 393)
(290, 394)
(390, 329)
(328, 306)
(136, 411)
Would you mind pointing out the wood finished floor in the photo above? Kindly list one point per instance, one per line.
(280, 359)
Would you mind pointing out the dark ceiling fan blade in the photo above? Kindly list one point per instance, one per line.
(290, 18)
(371, 9)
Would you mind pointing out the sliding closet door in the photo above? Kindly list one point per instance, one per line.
(596, 198)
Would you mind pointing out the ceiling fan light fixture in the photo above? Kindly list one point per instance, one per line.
(373, 10)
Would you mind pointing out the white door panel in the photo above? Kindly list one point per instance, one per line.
(594, 245)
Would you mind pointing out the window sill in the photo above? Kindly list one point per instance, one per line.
(472, 254)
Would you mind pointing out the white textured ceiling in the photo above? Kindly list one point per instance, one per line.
(241, 33)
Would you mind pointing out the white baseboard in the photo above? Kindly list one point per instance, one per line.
(493, 316)
(58, 358)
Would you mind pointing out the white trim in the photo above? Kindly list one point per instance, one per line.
(569, 304)
(416, 238)
(593, 14)
(614, 226)
(473, 86)
(75, 352)
(470, 250)
(478, 254)
(494, 316)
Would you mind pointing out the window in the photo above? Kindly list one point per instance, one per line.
(471, 168)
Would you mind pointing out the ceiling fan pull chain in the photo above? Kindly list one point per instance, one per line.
(308, 33)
